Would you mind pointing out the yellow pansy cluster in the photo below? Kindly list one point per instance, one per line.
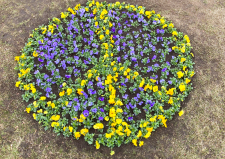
(98, 126)
(23, 72)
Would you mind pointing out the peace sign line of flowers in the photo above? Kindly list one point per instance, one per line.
(98, 50)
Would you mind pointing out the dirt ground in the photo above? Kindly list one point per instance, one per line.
(199, 133)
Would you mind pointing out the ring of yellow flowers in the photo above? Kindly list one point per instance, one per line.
(118, 129)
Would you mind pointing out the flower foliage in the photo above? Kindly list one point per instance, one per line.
(106, 72)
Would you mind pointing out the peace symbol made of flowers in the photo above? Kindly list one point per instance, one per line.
(106, 72)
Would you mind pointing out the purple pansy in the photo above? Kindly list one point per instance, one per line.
(162, 81)
(39, 59)
(101, 98)
(164, 69)
(67, 76)
(94, 110)
(86, 113)
(101, 109)
(100, 118)
(130, 118)
(48, 89)
(134, 59)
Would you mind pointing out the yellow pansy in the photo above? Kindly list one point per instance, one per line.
(64, 128)
(174, 33)
(182, 87)
(82, 116)
(98, 126)
(101, 37)
(84, 131)
(164, 26)
(110, 24)
(111, 101)
(33, 90)
(54, 124)
(97, 145)
(181, 113)
(182, 59)
(108, 135)
(61, 93)
(64, 15)
(141, 11)
(170, 100)
(118, 121)
(77, 135)
(71, 11)
(70, 128)
(17, 58)
(192, 73)
(64, 84)
(35, 54)
(182, 49)
(139, 134)
(83, 82)
(119, 110)
(77, 7)
(180, 74)
(106, 118)
(147, 87)
(49, 103)
(112, 112)
(43, 98)
(53, 105)
(155, 88)
(35, 104)
(163, 120)
(34, 115)
(17, 83)
(90, 75)
(39, 111)
(134, 141)
(153, 119)
(187, 38)
(162, 20)
(142, 82)
(79, 91)
(149, 129)
(171, 25)
(28, 110)
(187, 80)
(119, 103)
(147, 135)
(55, 117)
(141, 143)
(170, 91)
(113, 63)
(69, 91)
(56, 20)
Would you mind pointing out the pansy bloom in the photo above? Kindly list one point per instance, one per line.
(93, 70)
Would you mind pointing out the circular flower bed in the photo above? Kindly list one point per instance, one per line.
(111, 73)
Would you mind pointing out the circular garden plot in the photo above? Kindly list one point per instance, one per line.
(108, 73)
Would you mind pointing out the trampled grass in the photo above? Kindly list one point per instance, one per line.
(199, 133)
